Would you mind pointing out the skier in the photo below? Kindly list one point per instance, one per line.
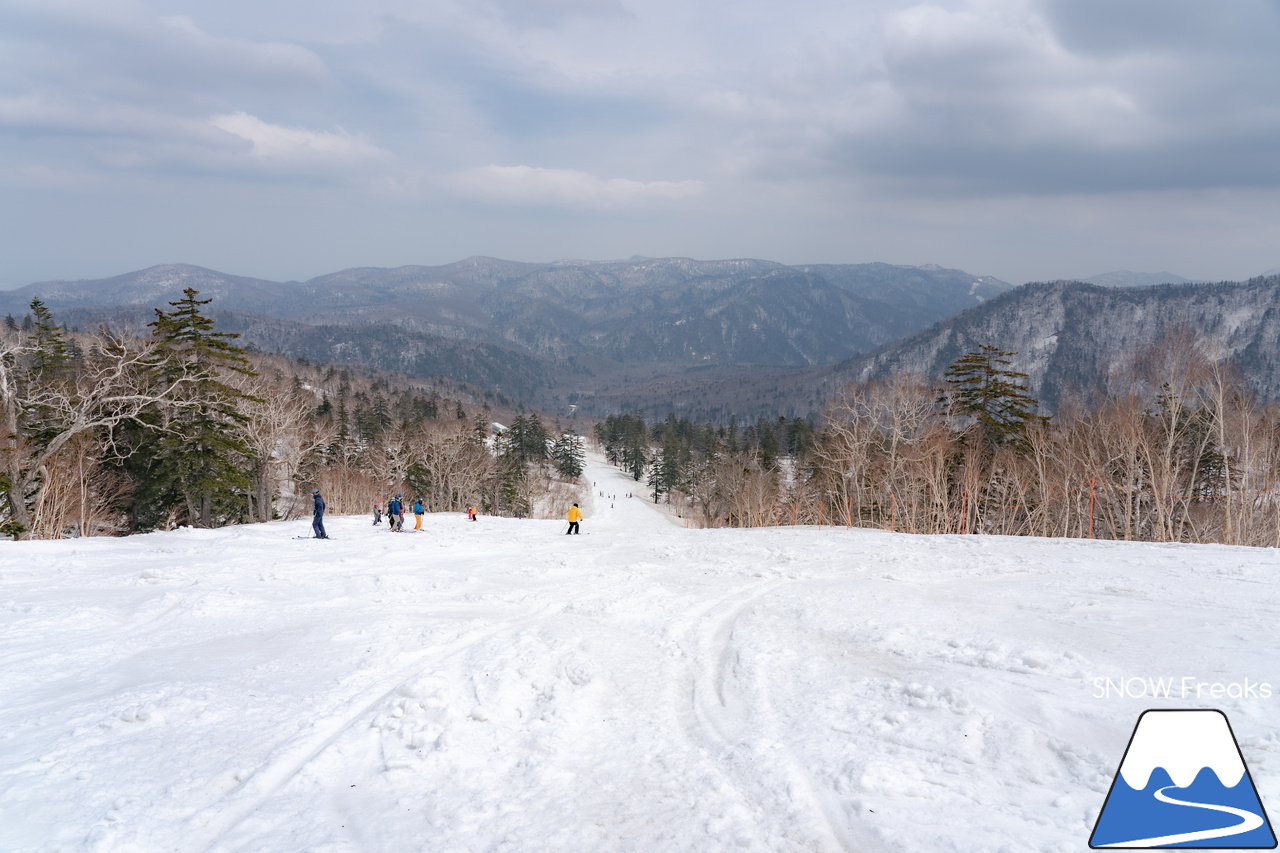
(474, 513)
(377, 511)
(395, 514)
(417, 513)
(317, 515)
(575, 515)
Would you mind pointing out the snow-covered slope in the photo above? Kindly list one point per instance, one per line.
(642, 687)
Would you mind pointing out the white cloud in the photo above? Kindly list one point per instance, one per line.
(528, 185)
(298, 145)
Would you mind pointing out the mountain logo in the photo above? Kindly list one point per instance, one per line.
(1183, 783)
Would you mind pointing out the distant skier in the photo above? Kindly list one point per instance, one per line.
(395, 514)
(473, 513)
(575, 515)
(417, 513)
(377, 511)
(317, 515)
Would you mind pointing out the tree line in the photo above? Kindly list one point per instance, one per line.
(1170, 447)
(108, 433)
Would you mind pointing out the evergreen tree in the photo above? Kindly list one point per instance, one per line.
(569, 457)
(767, 442)
(199, 454)
(51, 352)
(526, 440)
(982, 386)
(669, 468)
(47, 364)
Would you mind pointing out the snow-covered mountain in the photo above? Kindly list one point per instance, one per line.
(1073, 335)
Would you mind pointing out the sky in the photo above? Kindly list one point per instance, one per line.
(1022, 139)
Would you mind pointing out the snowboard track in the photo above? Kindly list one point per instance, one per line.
(707, 721)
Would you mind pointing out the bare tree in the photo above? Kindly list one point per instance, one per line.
(114, 384)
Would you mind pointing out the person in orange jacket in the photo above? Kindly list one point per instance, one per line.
(575, 515)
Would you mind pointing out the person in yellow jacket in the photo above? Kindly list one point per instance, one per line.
(575, 515)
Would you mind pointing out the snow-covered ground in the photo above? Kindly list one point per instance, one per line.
(642, 687)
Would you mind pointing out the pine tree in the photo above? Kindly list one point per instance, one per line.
(569, 457)
(199, 454)
(669, 468)
(47, 363)
(50, 351)
(981, 385)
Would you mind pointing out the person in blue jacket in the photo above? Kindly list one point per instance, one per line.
(417, 513)
(317, 515)
(395, 514)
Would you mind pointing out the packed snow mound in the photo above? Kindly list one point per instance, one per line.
(497, 685)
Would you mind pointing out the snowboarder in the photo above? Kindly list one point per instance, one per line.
(317, 515)
(417, 513)
(575, 515)
(395, 514)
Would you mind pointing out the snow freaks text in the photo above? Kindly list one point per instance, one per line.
(1186, 687)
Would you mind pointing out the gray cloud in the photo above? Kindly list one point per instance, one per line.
(1081, 99)
(708, 127)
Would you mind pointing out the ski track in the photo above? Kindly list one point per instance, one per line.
(726, 731)
(501, 687)
(269, 779)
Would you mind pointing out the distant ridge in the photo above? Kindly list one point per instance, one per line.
(1126, 278)
(555, 334)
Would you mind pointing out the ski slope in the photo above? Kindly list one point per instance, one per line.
(497, 686)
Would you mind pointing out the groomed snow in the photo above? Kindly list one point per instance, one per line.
(498, 686)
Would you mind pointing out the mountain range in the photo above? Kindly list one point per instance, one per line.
(553, 335)
(1128, 278)
(706, 339)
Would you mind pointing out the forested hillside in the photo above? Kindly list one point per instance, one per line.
(557, 335)
(1075, 337)
(115, 432)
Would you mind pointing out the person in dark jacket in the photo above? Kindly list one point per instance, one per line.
(317, 515)
(395, 514)
(417, 513)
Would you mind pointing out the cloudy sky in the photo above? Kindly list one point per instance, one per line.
(1025, 139)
